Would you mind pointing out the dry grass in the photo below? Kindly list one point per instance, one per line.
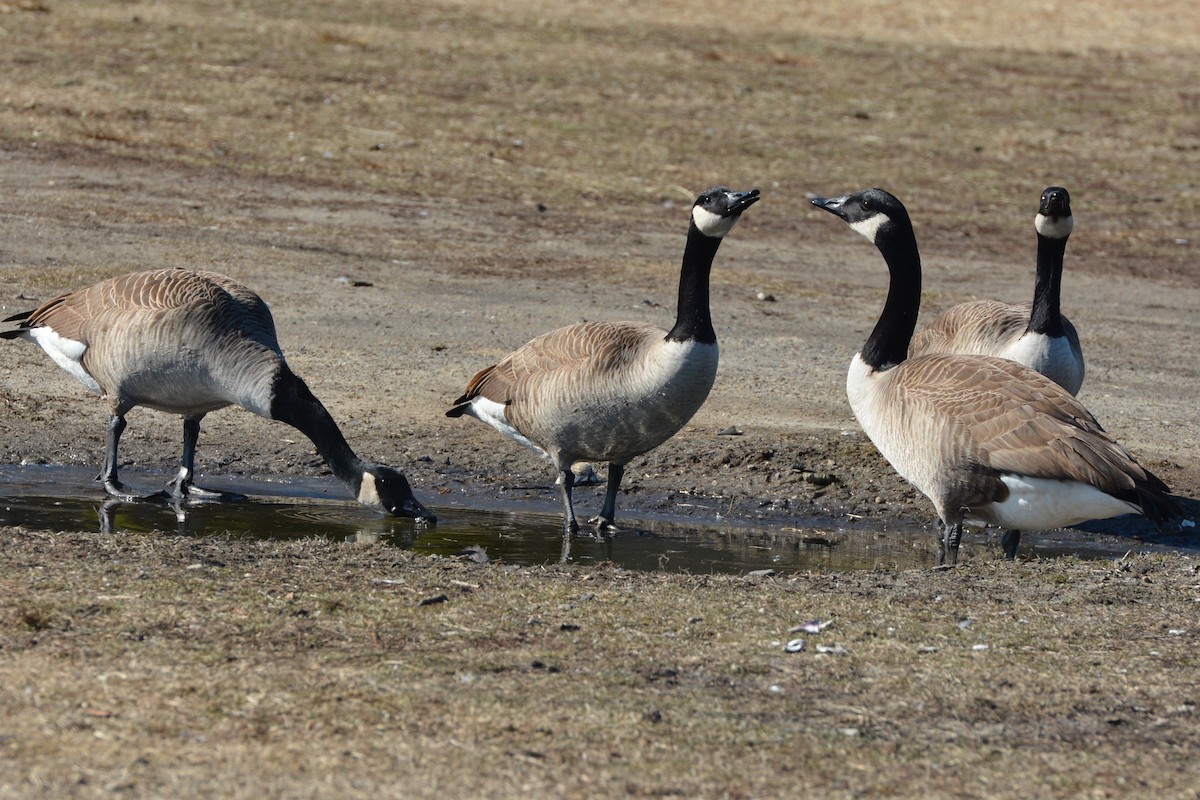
(151, 666)
(158, 666)
(571, 105)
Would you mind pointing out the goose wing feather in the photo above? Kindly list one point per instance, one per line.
(1014, 420)
(563, 357)
(120, 301)
(979, 327)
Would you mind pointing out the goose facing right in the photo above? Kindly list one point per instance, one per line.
(984, 438)
(190, 342)
(1035, 334)
(612, 391)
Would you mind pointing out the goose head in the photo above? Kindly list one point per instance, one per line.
(1054, 220)
(877, 215)
(386, 489)
(717, 210)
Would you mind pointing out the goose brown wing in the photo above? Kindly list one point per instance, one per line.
(78, 315)
(586, 347)
(1011, 419)
(977, 327)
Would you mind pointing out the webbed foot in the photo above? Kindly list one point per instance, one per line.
(181, 490)
(119, 491)
(602, 526)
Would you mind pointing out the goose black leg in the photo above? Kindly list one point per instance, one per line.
(181, 485)
(112, 485)
(1009, 541)
(568, 482)
(948, 543)
(605, 523)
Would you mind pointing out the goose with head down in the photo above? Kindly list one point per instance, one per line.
(190, 342)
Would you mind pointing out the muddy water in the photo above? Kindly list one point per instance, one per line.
(65, 498)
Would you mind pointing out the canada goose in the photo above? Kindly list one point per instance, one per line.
(611, 391)
(189, 343)
(1035, 334)
(984, 438)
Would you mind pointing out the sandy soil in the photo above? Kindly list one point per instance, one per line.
(387, 305)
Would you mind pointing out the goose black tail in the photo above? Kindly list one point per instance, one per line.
(1163, 510)
(15, 332)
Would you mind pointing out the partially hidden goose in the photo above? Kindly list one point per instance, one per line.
(611, 391)
(190, 342)
(1035, 334)
(985, 439)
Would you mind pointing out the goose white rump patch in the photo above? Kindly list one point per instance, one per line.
(67, 353)
(1042, 503)
(492, 413)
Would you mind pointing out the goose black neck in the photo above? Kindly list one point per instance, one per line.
(1047, 316)
(296, 405)
(888, 343)
(693, 320)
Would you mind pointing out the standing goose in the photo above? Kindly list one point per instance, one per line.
(1034, 334)
(189, 343)
(984, 438)
(611, 391)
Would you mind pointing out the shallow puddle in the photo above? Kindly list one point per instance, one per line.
(65, 498)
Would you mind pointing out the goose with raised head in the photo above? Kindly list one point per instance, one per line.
(1035, 334)
(985, 439)
(612, 391)
(190, 342)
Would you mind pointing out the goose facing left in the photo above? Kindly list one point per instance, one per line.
(190, 342)
(984, 438)
(611, 391)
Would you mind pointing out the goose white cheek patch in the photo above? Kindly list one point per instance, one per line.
(67, 353)
(368, 493)
(869, 227)
(711, 224)
(1054, 227)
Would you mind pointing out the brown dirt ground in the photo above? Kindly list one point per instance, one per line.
(389, 356)
(488, 171)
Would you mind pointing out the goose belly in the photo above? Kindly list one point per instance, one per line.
(631, 410)
(1042, 503)
(177, 387)
(189, 377)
